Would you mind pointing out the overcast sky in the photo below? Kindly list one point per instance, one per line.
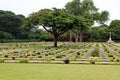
(26, 7)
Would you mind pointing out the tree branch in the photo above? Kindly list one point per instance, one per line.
(47, 29)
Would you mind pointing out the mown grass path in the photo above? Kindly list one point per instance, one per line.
(102, 54)
(59, 72)
(87, 55)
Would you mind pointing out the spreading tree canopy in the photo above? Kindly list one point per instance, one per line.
(55, 21)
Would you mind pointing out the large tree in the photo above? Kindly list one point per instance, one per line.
(80, 26)
(84, 10)
(55, 21)
(89, 13)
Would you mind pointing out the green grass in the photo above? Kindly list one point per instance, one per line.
(59, 72)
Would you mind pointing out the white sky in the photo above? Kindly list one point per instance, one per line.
(26, 7)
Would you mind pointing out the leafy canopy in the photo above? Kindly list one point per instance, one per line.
(55, 21)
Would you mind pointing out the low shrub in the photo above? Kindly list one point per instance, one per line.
(92, 60)
(39, 56)
(70, 51)
(0, 55)
(117, 60)
(110, 55)
(66, 61)
(77, 56)
(24, 61)
(16, 52)
(13, 58)
(63, 55)
(1, 61)
(111, 59)
(58, 56)
(28, 54)
(52, 58)
(33, 55)
(78, 53)
(46, 54)
(51, 53)
(38, 53)
(6, 56)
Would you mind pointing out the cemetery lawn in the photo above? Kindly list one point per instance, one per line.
(58, 72)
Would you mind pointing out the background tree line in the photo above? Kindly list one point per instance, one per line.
(75, 22)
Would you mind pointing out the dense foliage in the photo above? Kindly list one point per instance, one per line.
(115, 29)
(10, 24)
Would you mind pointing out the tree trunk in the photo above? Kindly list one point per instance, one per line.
(76, 38)
(55, 40)
(70, 37)
(81, 35)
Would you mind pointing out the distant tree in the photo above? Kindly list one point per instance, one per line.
(41, 35)
(45, 36)
(5, 35)
(97, 34)
(11, 23)
(71, 35)
(114, 28)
